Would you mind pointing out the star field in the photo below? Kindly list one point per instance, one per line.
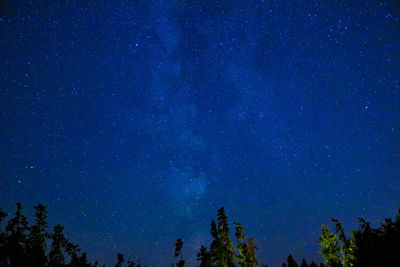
(134, 121)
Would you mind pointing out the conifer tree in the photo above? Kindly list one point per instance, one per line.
(133, 264)
(36, 245)
(329, 247)
(178, 252)
(291, 262)
(16, 231)
(250, 253)
(215, 247)
(120, 260)
(80, 261)
(3, 239)
(348, 246)
(222, 247)
(304, 263)
(313, 264)
(240, 236)
(56, 255)
(3, 215)
(204, 257)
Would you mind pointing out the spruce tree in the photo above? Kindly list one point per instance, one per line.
(291, 262)
(120, 260)
(222, 247)
(36, 245)
(204, 257)
(348, 246)
(56, 255)
(250, 253)
(240, 236)
(304, 263)
(16, 231)
(3, 240)
(3, 215)
(178, 252)
(329, 247)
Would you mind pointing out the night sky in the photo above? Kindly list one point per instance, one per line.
(134, 121)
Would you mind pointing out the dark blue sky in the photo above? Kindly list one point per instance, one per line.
(133, 121)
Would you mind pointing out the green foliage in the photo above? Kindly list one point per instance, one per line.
(329, 247)
(24, 245)
(240, 236)
(348, 246)
(365, 247)
(250, 253)
(221, 248)
(205, 257)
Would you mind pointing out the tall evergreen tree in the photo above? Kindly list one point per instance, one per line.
(3, 215)
(56, 255)
(178, 252)
(222, 247)
(16, 231)
(3, 240)
(304, 263)
(348, 246)
(313, 264)
(250, 253)
(241, 246)
(36, 245)
(329, 247)
(120, 260)
(291, 262)
(204, 257)
(80, 261)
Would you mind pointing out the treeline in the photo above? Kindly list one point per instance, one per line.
(23, 245)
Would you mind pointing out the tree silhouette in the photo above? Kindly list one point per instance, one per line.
(291, 262)
(56, 255)
(3, 239)
(304, 263)
(36, 243)
(178, 252)
(80, 261)
(204, 257)
(16, 231)
(120, 260)
(21, 245)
